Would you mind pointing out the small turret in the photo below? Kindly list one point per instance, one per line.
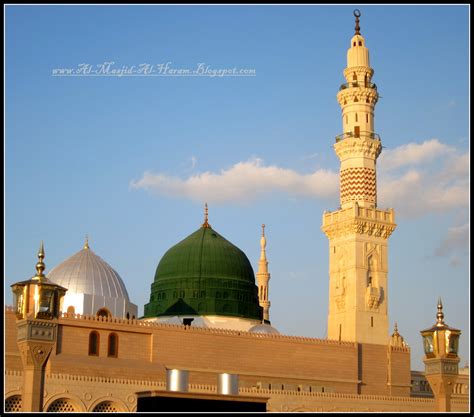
(263, 276)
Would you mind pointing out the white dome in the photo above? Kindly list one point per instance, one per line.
(263, 328)
(87, 273)
(92, 284)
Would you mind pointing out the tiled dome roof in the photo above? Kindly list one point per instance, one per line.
(204, 274)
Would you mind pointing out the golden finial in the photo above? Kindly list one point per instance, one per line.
(263, 230)
(86, 243)
(40, 266)
(357, 15)
(440, 315)
(206, 214)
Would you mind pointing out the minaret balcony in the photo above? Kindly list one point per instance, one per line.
(362, 134)
(356, 84)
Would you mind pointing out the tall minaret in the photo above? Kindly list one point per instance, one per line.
(263, 276)
(358, 231)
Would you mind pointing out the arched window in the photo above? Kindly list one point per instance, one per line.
(357, 119)
(128, 316)
(103, 312)
(94, 339)
(112, 350)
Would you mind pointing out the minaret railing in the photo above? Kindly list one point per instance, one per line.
(358, 84)
(362, 134)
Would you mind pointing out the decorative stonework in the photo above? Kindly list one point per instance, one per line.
(37, 330)
(372, 297)
(358, 184)
(34, 355)
(361, 227)
(358, 147)
(441, 367)
(357, 95)
(360, 72)
(340, 302)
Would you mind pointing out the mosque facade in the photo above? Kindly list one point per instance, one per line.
(209, 313)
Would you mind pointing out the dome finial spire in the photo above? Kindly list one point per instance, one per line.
(357, 27)
(40, 266)
(86, 243)
(206, 217)
(440, 315)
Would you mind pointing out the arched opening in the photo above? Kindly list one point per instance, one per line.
(112, 350)
(128, 316)
(103, 312)
(357, 118)
(106, 407)
(61, 405)
(94, 340)
(13, 404)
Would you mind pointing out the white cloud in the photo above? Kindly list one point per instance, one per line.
(193, 161)
(415, 179)
(412, 154)
(425, 187)
(243, 182)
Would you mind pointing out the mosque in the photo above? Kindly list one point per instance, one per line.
(74, 341)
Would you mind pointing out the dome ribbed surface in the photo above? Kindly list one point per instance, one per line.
(87, 273)
(204, 274)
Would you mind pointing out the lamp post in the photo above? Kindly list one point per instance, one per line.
(37, 303)
(440, 344)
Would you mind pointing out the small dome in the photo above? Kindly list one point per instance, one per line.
(264, 329)
(204, 274)
(92, 284)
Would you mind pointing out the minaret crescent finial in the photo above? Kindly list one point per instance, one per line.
(357, 15)
(263, 230)
(206, 217)
(86, 243)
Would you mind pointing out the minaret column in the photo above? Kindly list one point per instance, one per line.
(358, 231)
(263, 276)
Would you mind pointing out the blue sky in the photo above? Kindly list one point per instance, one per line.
(131, 160)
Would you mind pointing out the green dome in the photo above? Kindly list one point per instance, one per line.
(204, 274)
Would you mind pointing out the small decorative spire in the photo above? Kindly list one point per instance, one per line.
(397, 339)
(86, 243)
(263, 244)
(40, 266)
(206, 215)
(440, 315)
(357, 27)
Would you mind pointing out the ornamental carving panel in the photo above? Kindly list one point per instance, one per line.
(361, 227)
(372, 297)
(358, 147)
(34, 354)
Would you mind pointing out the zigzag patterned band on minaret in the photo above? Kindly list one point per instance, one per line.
(358, 184)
